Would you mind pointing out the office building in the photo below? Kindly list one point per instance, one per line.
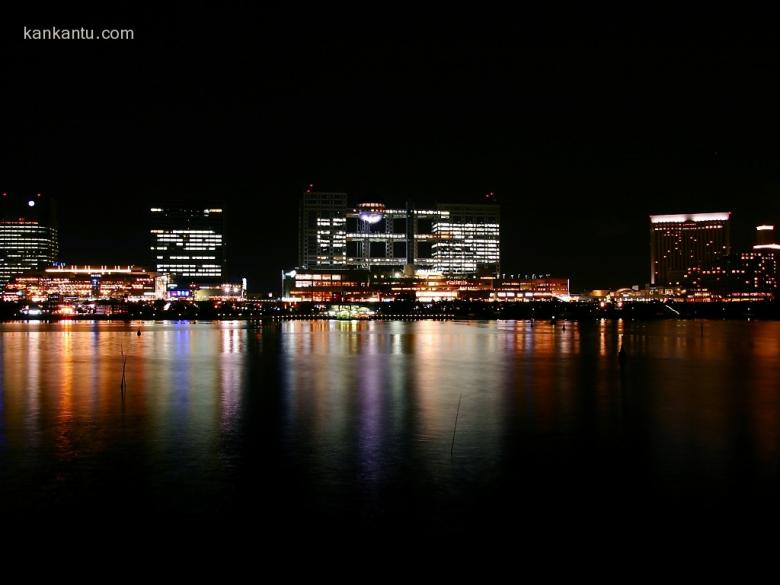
(468, 240)
(321, 229)
(391, 239)
(28, 234)
(680, 242)
(187, 242)
(452, 239)
(767, 245)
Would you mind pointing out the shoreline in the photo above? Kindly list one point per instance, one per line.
(260, 312)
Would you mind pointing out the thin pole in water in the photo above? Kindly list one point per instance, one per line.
(455, 428)
(123, 383)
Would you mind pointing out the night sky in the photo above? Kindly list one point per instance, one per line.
(581, 127)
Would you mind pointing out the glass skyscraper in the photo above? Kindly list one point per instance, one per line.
(28, 234)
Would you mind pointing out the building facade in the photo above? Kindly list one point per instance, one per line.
(28, 234)
(82, 283)
(747, 272)
(766, 244)
(187, 242)
(321, 229)
(362, 285)
(452, 239)
(683, 241)
(468, 241)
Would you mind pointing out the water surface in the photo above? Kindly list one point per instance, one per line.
(316, 424)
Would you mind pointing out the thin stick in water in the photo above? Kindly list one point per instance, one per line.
(123, 383)
(455, 428)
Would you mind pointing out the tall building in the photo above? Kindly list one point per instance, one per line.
(399, 239)
(739, 273)
(454, 239)
(28, 234)
(468, 241)
(187, 242)
(321, 229)
(683, 241)
(766, 245)
(765, 237)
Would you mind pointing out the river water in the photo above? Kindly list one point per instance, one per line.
(316, 424)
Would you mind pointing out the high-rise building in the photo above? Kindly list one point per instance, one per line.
(187, 242)
(454, 239)
(737, 273)
(393, 239)
(766, 245)
(28, 234)
(321, 229)
(468, 241)
(765, 237)
(682, 241)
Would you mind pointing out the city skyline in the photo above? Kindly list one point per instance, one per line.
(579, 132)
(346, 205)
(406, 279)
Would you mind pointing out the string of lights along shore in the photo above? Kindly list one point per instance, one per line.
(357, 250)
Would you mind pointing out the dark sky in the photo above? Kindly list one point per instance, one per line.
(581, 126)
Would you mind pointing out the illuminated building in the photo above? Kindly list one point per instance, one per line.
(361, 285)
(28, 234)
(742, 276)
(468, 240)
(386, 238)
(742, 273)
(321, 229)
(684, 241)
(453, 239)
(325, 285)
(187, 242)
(765, 237)
(82, 283)
(768, 246)
(221, 292)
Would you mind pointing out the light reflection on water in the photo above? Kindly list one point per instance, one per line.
(356, 418)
